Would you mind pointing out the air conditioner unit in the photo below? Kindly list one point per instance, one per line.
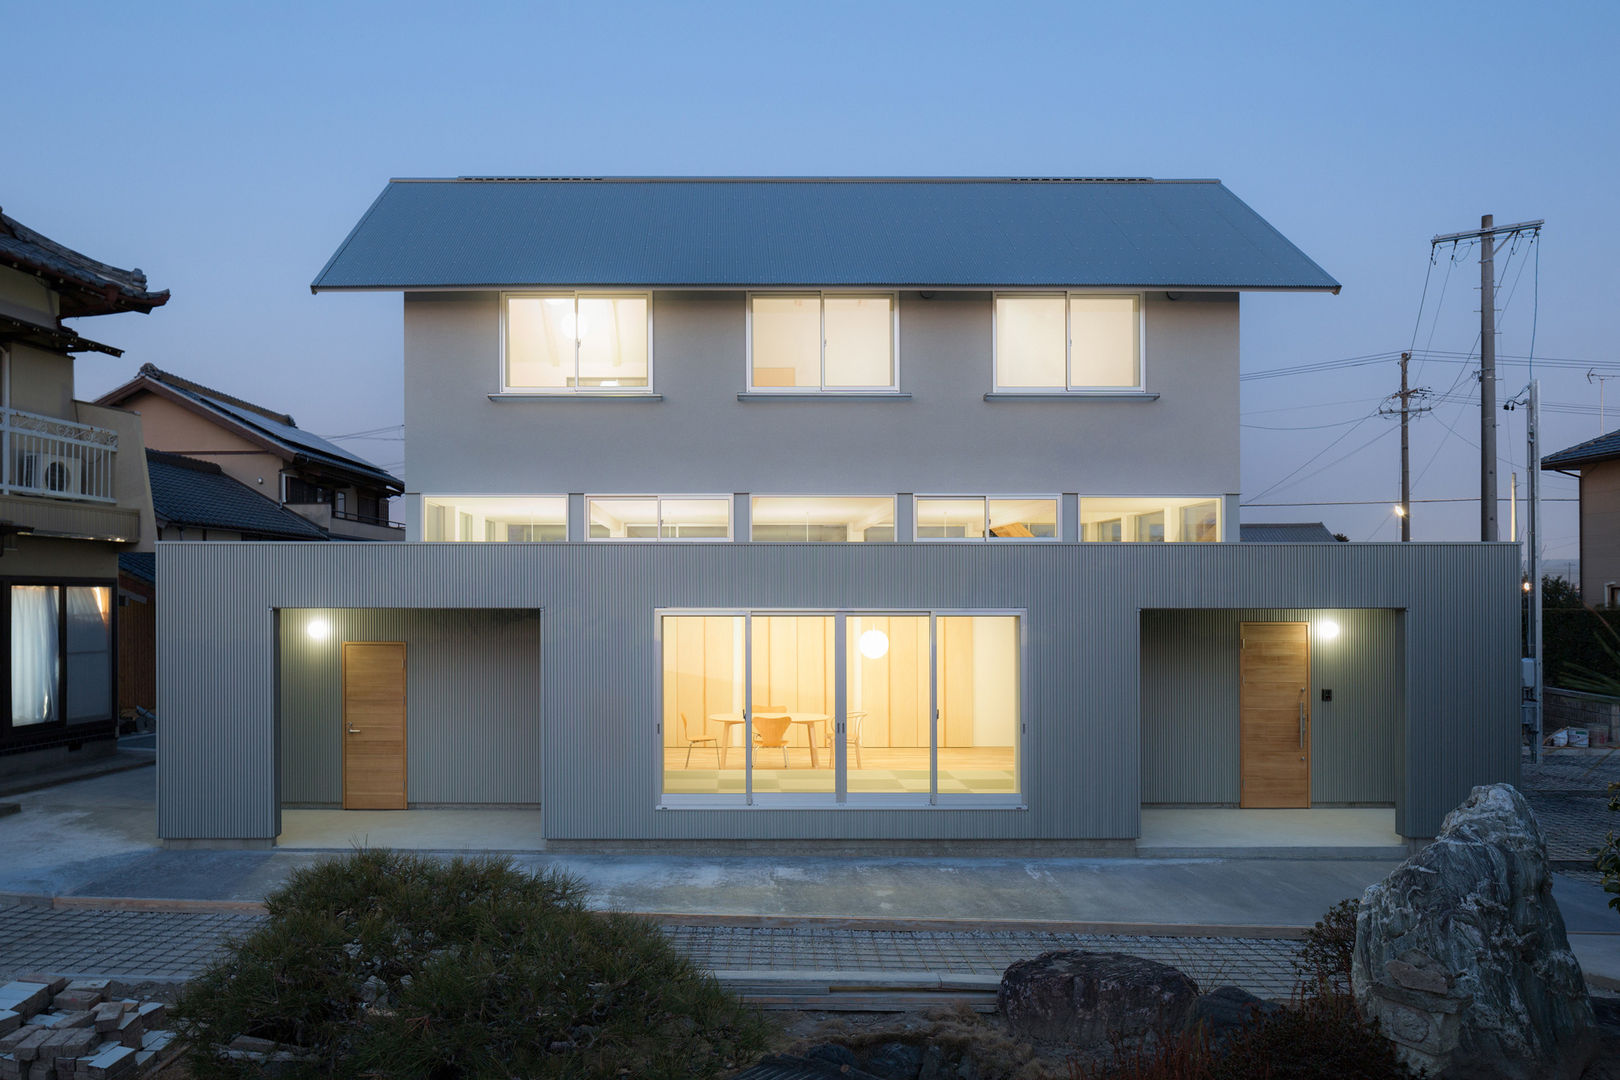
(50, 472)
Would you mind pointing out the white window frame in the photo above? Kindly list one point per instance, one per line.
(893, 501)
(660, 538)
(821, 296)
(453, 497)
(1071, 387)
(917, 523)
(576, 390)
(841, 798)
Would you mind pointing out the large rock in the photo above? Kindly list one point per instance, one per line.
(1090, 999)
(1461, 953)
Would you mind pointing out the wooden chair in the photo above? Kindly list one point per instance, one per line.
(771, 731)
(701, 740)
(854, 719)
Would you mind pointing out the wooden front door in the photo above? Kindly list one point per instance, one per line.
(374, 725)
(1275, 714)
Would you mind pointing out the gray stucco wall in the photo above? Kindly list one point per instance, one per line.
(937, 440)
(1190, 715)
(599, 694)
(472, 696)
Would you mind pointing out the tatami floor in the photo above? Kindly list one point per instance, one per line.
(962, 770)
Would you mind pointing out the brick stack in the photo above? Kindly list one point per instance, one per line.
(56, 1029)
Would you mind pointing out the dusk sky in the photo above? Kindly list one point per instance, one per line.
(228, 149)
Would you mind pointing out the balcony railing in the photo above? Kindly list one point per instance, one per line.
(60, 459)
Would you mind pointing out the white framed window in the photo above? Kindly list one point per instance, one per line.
(1151, 519)
(658, 517)
(981, 517)
(817, 342)
(498, 519)
(854, 519)
(576, 343)
(1072, 342)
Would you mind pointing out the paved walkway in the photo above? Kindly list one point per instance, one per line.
(139, 945)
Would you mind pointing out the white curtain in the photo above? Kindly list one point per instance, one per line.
(35, 654)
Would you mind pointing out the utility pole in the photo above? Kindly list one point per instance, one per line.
(1486, 234)
(1404, 408)
(1591, 377)
(1533, 478)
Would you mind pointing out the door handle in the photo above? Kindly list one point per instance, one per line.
(354, 731)
(1302, 718)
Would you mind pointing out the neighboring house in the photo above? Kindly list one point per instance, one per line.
(1285, 532)
(73, 495)
(796, 512)
(1596, 463)
(342, 493)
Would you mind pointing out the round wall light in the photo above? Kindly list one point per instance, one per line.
(1327, 629)
(874, 644)
(318, 629)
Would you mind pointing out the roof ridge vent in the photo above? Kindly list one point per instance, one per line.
(1081, 179)
(532, 179)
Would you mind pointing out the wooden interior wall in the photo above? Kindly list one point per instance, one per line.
(137, 646)
(793, 668)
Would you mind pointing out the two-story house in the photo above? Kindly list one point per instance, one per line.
(828, 511)
(343, 494)
(1596, 463)
(73, 495)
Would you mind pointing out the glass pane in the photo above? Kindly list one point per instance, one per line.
(35, 654)
(1023, 519)
(89, 653)
(612, 341)
(978, 704)
(1104, 332)
(787, 342)
(1200, 522)
(860, 340)
(539, 342)
(504, 520)
(703, 704)
(696, 519)
(623, 519)
(1030, 339)
(950, 519)
(833, 520)
(888, 707)
(792, 718)
(1150, 528)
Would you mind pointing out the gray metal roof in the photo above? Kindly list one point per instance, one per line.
(186, 491)
(1590, 452)
(1285, 532)
(670, 232)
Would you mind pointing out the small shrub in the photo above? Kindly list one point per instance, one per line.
(382, 964)
(1330, 947)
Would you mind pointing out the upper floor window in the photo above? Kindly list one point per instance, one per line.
(576, 343)
(820, 518)
(1150, 520)
(650, 517)
(520, 520)
(1073, 342)
(814, 342)
(979, 518)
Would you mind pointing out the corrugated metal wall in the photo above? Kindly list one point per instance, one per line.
(217, 692)
(472, 703)
(1190, 715)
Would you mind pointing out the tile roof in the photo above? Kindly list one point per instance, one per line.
(189, 492)
(739, 232)
(139, 564)
(273, 427)
(1285, 532)
(97, 287)
(1590, 452)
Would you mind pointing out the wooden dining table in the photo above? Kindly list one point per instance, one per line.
(808, 719)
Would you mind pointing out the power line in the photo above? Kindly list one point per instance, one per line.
(1386, 502)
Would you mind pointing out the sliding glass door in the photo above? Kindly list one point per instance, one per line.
(806, 709)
